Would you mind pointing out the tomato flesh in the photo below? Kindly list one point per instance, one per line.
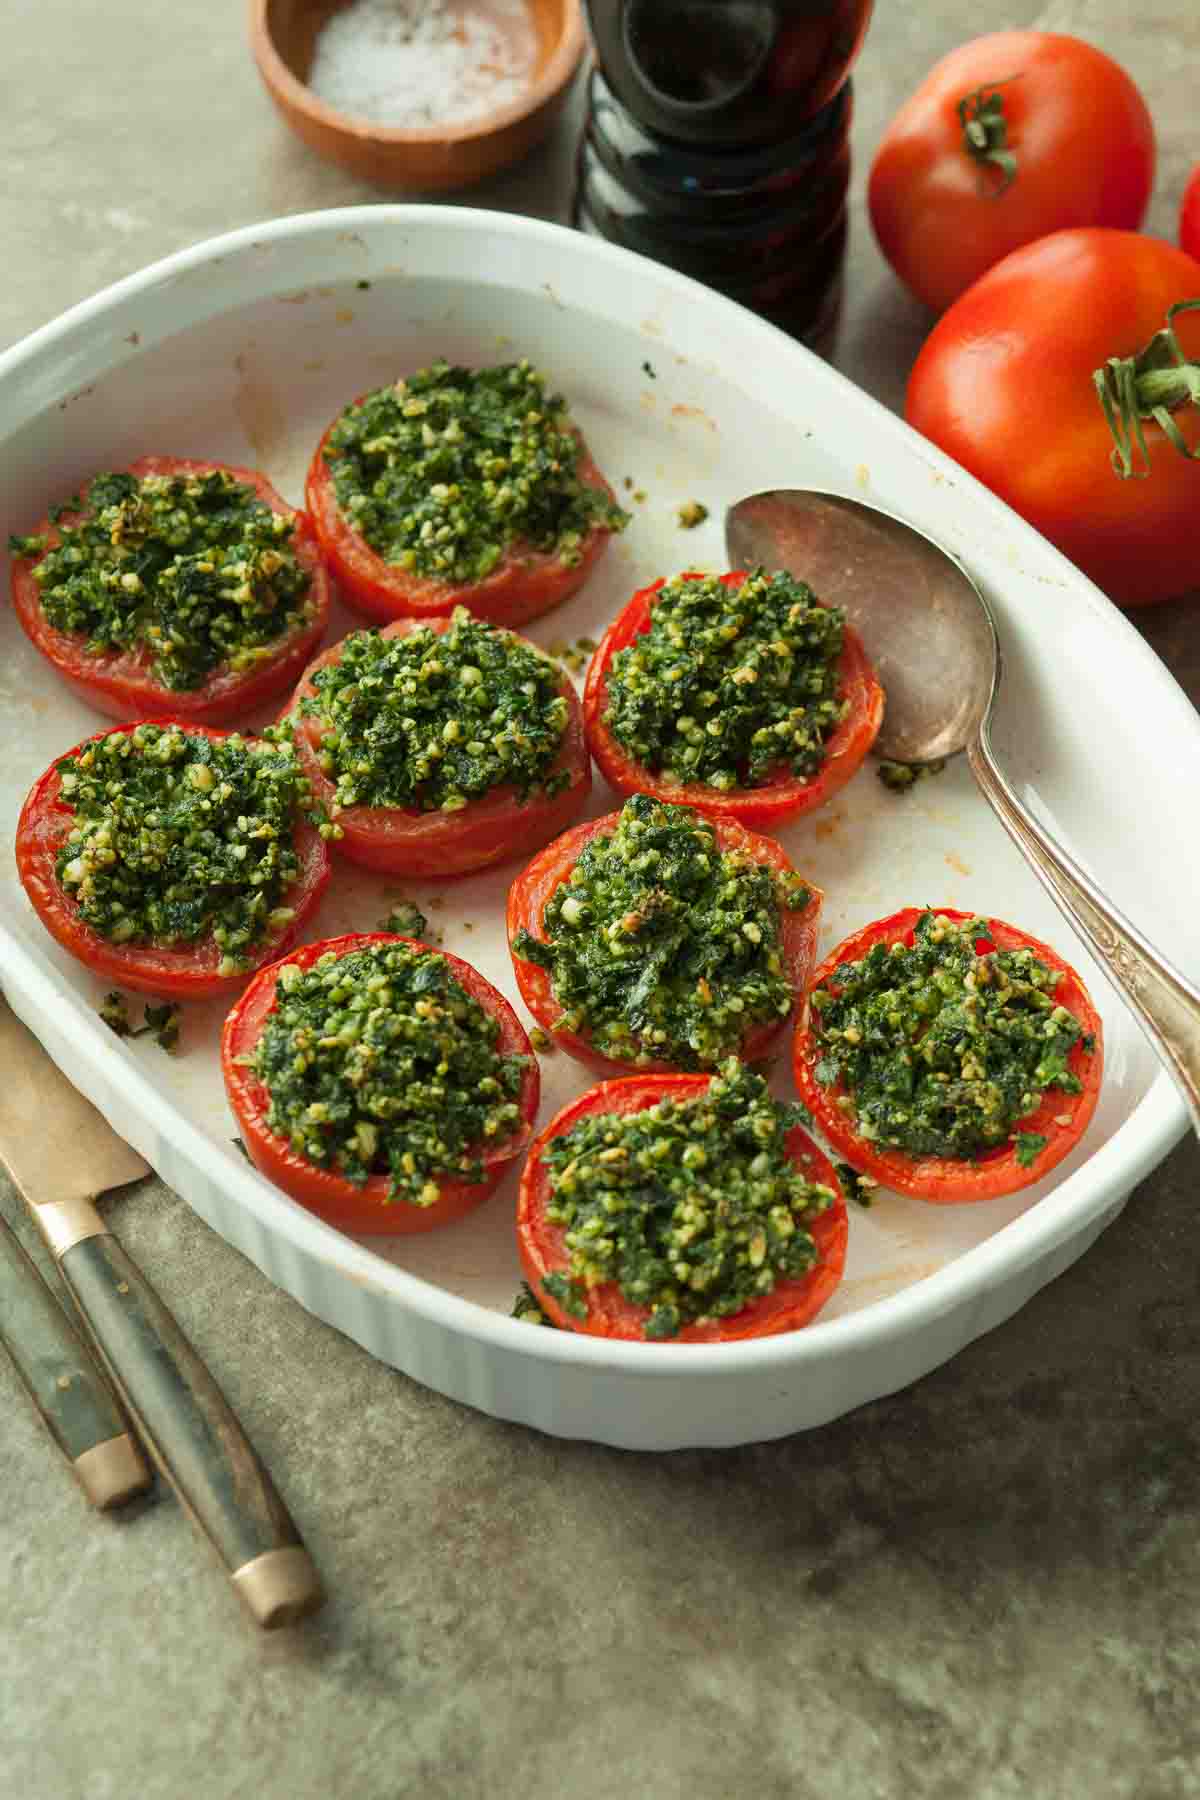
(542, 1249)
(947, 1181)
(524, 584)
(500, 825)
(122, 684)
(365, 1210)
(173, 972)
(533, 889)
(784, 796)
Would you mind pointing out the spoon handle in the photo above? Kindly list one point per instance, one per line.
(1167, 1005)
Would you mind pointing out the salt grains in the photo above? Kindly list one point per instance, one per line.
(418, 63)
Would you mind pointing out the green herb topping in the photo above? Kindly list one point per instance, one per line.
(942, 1049)
(663, 947)
(178, 836)
(728, 685)
(447, 470)
(378, 1062)
(526, 1308)
(901, 776)
(692, 1207)
(436, 721)
(405, 919)
(194, 570)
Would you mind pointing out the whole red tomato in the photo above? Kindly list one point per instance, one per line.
(1189, 215)
(1010, 137)
(1006, 384)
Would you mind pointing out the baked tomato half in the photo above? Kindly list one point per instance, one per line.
(458, 487)
(364, 1206)
(551, 871)
(193, 970)
(891, 1047)
(1020, 379)
(492, 827)
(780, 795)
(122, 681)
(1010, 137)
(601, 1308)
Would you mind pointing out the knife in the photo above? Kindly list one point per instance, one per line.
(65, 1383)
(61, 1153)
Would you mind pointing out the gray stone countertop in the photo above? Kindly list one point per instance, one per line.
(983, 1586)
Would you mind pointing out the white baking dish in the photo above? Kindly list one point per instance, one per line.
(243, 348)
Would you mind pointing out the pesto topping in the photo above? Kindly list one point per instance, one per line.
(447, 470)
(436, 721)
(178, 836)
(691, 514)
(195, 570)
(378, 1062)
(943, 1050)
(900, 776)
(663, 947)
(692, 1207)
(405, 919)
(728, 685)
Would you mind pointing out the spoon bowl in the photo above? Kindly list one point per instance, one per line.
(931, 635)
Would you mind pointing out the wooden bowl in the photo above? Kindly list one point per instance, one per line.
(283, 34)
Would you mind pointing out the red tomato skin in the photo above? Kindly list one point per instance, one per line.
(171, 974)
(784, 796)
(1189, 215)
(401, 840)
(1082, 136)
(365, 1210)
(1004, 385)
(791, 1305)
(948, 1181)
(523, 585)
(534, 887)
(120, 684)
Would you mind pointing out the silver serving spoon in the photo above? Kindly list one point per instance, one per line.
(932, 638)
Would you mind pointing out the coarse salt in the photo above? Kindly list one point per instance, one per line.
(414, 63)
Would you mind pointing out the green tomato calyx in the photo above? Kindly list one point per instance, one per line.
(985, 135)
(1154, 384)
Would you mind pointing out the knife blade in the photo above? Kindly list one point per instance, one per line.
(61, 1153)
(65, 1382)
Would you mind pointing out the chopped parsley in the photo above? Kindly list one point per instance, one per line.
(942, 1050)
(195, 571)
(661, 947)
(900, 776)
(692, 1207)
(178, 836)
(163, 1020)
(378, 1062)
(526, 1308)
(446, 471)
(405, 919)
(435, 721)
(728, 685)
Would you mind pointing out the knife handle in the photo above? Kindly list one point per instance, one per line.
(190, 1430)
(65, 1383)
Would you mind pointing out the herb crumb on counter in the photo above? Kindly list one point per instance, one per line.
(657, 938)
(173, 858)
(460, 485)
(680, 1209)
(948, 1055)
(740, 693)
(441, 746)
(380, 1083)
(691, 514)
(173, 589)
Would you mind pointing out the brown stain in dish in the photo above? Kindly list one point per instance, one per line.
(890, 1281)
(957, 863)
(259, 410)
(827, 828)
(680, 411)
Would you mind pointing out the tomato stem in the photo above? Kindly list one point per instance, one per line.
(1154, 384)
(985, 134)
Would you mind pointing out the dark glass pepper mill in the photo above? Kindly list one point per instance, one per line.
(717, 141)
